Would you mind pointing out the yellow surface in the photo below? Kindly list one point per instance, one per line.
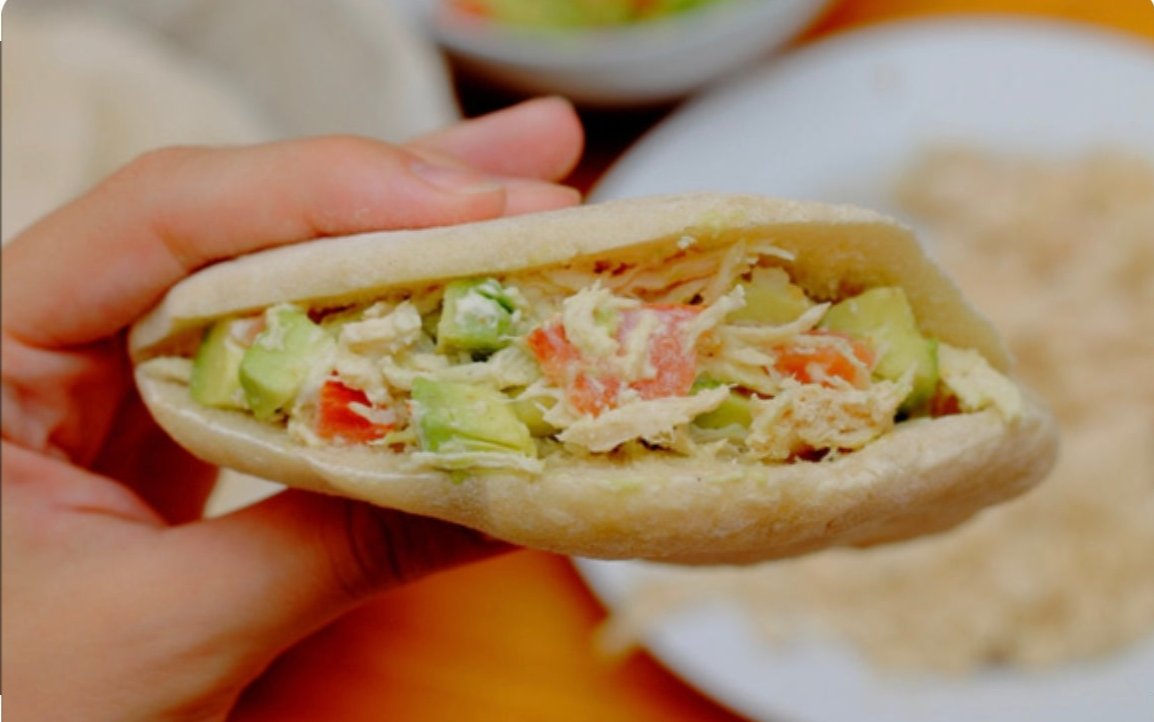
(1131, 16)
(511, 639)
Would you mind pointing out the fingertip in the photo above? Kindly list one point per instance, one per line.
(542, 138)
(568, 131)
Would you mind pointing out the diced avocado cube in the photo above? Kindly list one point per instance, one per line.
(455, 417)
(216, 368)
(771, 299)
(735, 410)
(280, 359)
(476, 316)
(884, 317)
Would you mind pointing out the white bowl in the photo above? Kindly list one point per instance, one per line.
(650, 62)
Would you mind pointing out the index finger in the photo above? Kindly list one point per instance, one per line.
(540, 138)
(94, 265)
(99, 263)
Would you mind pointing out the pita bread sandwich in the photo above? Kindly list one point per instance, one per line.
(697, 379)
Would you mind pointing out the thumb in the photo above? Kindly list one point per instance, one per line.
(290, 564)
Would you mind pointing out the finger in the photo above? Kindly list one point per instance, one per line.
(540, 138)
(316, 556)
(175, 210)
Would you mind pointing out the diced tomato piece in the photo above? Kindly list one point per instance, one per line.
(821, 362)
(944, 403)
(553, 351)
(592, 394)
(591, 388)
(675, 365)
(561, 362)
(336, 420)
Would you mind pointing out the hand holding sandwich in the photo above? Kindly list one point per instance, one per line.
(120, 603)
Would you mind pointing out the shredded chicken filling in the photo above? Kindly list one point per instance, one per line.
(707, 351)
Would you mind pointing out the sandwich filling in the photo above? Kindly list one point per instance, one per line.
(694, 351)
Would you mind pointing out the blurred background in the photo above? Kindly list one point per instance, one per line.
(1016, 135)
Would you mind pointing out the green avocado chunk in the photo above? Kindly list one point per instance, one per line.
(476, 316)
(280, 359)
(771, 299)
(454, 417)
(215, 368)
(883, 316)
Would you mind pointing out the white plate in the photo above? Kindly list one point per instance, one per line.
(837, 121)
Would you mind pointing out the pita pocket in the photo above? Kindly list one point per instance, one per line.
(695, 379)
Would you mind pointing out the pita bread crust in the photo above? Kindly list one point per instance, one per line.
(925, 476)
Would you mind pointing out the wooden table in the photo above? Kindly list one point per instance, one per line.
(511, 639)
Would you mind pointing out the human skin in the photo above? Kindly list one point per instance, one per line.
(120, 602)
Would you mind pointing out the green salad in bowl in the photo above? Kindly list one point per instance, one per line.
(575, 13)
